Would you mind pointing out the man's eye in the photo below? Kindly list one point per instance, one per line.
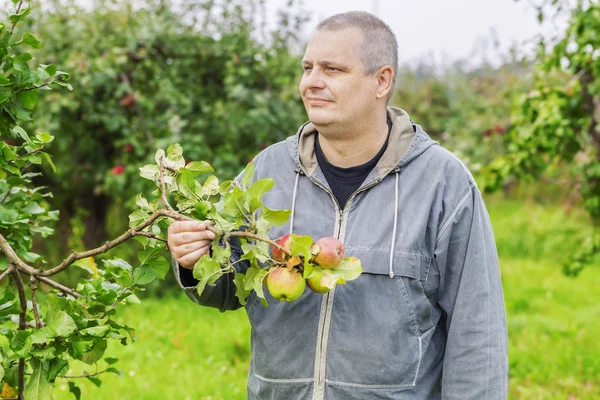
(334, 69)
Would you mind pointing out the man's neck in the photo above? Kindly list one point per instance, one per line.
(356, 146)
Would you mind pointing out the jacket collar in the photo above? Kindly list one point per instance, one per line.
(405, 144)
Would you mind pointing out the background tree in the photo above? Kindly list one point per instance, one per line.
(205, 74)
(555, 130)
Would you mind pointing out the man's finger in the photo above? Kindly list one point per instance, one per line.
(186, 226)
(179, 239)
(191, 259)
(189, 248)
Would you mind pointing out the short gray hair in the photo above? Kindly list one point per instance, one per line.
(379, 46)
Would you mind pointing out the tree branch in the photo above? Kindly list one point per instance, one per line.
(58, 286)
(253, 236)
(12, 28)
(149, 235)
(85, 375)
(163, 192)
(34, 87)
(6, 272)
(36, 314)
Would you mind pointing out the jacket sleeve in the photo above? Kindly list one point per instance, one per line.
(221, 295)
(470, 293)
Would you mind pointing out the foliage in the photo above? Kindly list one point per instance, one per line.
(467, 111)
(205, 73)
(42, 335)
(556, 125)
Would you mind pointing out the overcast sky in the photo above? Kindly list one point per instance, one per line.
(444, 29)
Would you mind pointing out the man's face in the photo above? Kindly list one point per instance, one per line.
(334, 88)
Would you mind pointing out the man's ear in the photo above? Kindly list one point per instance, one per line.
(385, 77)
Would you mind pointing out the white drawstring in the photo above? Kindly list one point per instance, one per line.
(294, 202)
(395, 229)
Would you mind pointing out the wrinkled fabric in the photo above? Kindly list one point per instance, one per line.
(426, 319)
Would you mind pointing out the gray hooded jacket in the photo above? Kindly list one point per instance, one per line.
(426, 319)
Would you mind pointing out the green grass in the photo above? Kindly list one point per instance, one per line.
(185, 351)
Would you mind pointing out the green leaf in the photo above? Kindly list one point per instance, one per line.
(38, 387)
(187, 184)
(144, 204)
(114, 371)
(73, 388)
(247, 175)
(96, 353)
(240, 291)
(199, 167)
(255, 193)
(16, 18)
(255, 278)
(150, 171)
(137, 217)
(56, 365)
(211, 186)
(224, 187)
(59, 323)
(87, 264)
(29, 40)
(301, 245)
(202, 209)
(94, 380)
(152, 257)
(275, 217)
(111, 360)
(119, 263)
(44, 137)
(28, 98)
(34, 209)
(349, 269)
(18, 131)
(207, 271)
(96, 331)
(50, 69)
(144, 275)
(49, 160)
(4, 81)
(20, 63)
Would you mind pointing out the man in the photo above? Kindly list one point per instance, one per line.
(426, 319)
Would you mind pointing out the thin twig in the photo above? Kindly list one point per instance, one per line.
(6, 272)
(34, 87)
(12, 28)
(5, 197)
(36, 314)
(163, 192)
(253, 236)
(58, 286)
(148, 235)
(85, 375)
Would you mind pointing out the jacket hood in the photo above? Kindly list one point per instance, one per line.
(407, 141)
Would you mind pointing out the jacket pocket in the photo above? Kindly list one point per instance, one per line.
(379, 322)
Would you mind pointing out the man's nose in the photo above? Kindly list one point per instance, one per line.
(314, 80)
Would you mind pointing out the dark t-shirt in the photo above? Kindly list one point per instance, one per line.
(345, 181)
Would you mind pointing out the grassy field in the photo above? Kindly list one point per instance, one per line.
(185, 351)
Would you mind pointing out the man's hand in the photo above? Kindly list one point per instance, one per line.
(188, 241)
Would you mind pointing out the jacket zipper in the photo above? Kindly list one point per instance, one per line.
(339, 223)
